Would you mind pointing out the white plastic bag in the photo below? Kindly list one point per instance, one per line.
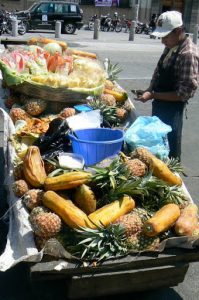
(85, 120)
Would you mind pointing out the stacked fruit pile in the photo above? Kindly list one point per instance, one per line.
(129, 205)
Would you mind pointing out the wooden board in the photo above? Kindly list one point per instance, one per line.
(12, 41)
(104, 284)
(128, 274)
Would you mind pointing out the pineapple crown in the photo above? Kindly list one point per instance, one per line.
(112, 176)
(109, 113)
(174, 165)
(100, 243)
(112, 70)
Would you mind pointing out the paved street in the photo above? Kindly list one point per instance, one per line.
(138, 59)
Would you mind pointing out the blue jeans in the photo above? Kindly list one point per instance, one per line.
(171, 113)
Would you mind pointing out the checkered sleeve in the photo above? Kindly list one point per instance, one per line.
(188, 75)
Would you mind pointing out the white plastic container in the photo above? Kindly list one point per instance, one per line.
(71, 161)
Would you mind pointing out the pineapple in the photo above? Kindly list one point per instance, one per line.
(174, 165)
(111, 176)
(19, 114)
(101, 243)
(109, 84)
(139, 242)
(46, 225)
(131, 222)
(136, 167)
(108, 99)
(152, 192)
(112, 70)
(36, 211)
(108, 112)
(157, 166)
(157, 193)
(67, 112)
(142, 213)
(121, 113)
(20, 187)
(33, 198)
(143, 155)
(18, 171)
(35, 107)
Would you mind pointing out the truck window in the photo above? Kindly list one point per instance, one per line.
(51, 8)
(73, 8)
(65, 8)
(59, 8)
(43, 8)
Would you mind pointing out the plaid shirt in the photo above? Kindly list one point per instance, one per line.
(186, 69)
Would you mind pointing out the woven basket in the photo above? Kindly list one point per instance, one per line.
(49, 94)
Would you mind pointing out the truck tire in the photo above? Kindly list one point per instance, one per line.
(69, 28)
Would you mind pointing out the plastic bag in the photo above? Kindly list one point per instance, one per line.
(85, 120)
(149, 132)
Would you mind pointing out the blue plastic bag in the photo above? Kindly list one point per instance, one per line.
(150, 133)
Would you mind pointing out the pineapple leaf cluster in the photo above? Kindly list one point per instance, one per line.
(100, 243)
(112, 176)
(129, 187)
(157, 193)
(152, 193)
(109, 113)
(174, 165)
(113, 70)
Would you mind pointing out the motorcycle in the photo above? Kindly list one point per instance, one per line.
(6, 24)
(127, 25)
(116, 25)
(109, 24)
(3, 23)
(105, 22)
(142, 28)
(91, 22)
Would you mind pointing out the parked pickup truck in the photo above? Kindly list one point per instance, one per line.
(44, 14)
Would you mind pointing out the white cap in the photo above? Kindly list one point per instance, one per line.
(167, 22)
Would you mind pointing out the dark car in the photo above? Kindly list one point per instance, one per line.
(44, 14)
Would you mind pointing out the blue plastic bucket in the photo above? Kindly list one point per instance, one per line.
(96, 144)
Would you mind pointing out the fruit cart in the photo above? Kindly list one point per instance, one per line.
(127, 274)
(153, 262)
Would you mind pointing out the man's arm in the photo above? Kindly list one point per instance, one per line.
(188, 74)
(167, 96)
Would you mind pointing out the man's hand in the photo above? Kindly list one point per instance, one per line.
(145, 97)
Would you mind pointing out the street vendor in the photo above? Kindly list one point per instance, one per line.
(175, 78)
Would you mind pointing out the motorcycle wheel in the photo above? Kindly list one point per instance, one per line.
(106, 28)
(118, 28)
(138, 30)
(111, 28)
(91, 26)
